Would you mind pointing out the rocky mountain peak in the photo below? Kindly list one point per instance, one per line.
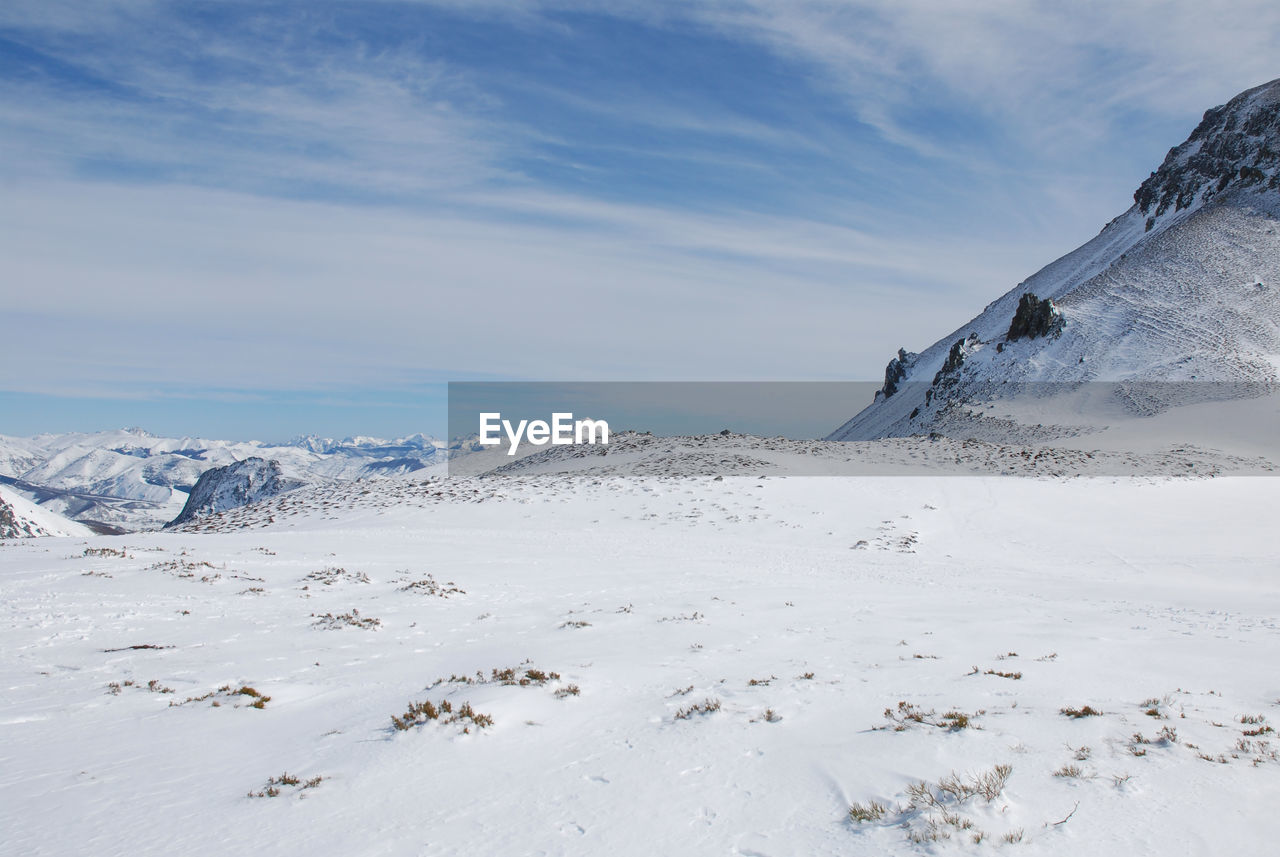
(235, 485)
(1179, 288)
(1236, 144)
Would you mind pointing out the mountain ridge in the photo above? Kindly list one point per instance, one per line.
(130, 479)
(1183, 286)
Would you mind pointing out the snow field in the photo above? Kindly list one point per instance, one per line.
(652, 596)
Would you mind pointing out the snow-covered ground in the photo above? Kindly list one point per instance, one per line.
(798, 610)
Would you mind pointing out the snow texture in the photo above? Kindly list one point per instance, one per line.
(672, 666)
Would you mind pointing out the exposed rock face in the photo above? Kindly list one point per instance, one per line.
(10, 527)
(235, 485)
(1235, 144)
(1033, 318)
(955, 359)
(896, 371)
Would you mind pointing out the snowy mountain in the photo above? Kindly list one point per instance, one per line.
(130, 479)
(236, 485)
(1182, 287)
(20, 518)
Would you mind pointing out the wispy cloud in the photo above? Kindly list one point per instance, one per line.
(1049, 70)
(250, 109)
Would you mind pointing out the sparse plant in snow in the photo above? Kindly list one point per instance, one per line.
(707, 706)
(936, 811)
(429, 586)
(419, 713)
(287, 780)
(330, 621)
(907, 714)
(864, 812)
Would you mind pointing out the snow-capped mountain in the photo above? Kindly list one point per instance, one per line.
(1182, 287)
(130, 479)
(235, 485)
(362, 446)
(20, 518)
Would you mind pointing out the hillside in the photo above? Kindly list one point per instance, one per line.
(1181, 289)
(20, 518)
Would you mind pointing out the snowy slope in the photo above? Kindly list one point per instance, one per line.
(21, 518)
(1183, 287)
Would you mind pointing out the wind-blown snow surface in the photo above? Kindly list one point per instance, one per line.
(824, 601)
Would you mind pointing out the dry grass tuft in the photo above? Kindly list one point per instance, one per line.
(273, 786)
(419, 713)
(870, 811)
(707, 706)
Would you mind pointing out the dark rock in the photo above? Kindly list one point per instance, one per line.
(10, 527)
(896, 371)
(235, 485)
(955, 359)
(1033, 318)
(1233, 144)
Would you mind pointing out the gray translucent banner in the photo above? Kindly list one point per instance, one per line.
(820, 428)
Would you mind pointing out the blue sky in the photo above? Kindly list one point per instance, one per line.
(268, 218)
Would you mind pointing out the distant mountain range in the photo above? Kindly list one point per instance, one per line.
(130, 479)
(1181, 289)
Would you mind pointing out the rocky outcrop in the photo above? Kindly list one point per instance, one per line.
(896, 372)
(235, 485)
(1034, 318)
(10, 526)
(955, 359)
(1237, 144)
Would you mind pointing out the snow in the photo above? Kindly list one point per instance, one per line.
(31, 519)
(135, 480)
(1111, 592)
